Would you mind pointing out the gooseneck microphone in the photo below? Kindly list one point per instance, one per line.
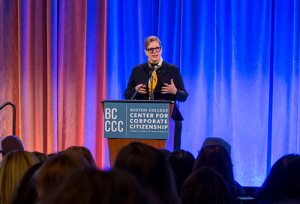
(151, 77)
(152, 69)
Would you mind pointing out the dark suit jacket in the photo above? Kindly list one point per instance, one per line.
(140, 75)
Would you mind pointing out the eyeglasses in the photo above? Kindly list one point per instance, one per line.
(151, 50)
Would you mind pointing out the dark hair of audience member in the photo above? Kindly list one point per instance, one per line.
(13, 167)
(182, 163)
(95, 186)
(52, 154)
(205, 186)
(26, 192)
(150, 168)
(165, 152)
(217, 158)
(42, 157)
(55, 169)
(11, 143)
(283, 181)
(85, 152)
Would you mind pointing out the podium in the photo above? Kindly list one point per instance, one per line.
(148, 122)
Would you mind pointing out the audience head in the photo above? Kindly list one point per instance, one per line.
(42, 157)
(55, 169)
(283, 182)
(11, 143)
(85, 152)
(52, 154)
(218, 159)
(150, 168)
(205, 186)
(94, 186)
(165, 152)
(26, 192)
(217, 141)
(13, 167)
(182, 163)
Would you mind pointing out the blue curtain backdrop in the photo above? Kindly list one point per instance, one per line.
(240, 64)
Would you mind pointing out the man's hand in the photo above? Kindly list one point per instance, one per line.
(142, 89)
(169, 89)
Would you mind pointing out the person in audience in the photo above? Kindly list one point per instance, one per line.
(94, 186)
(205, 186)
(165, 152)
(85, 152)
(26, 192)
(182, 163)
(283, 182)
(13, 167)
(10, 143)
(42, 157)
(209, 141)
(52, 154)
(217, 158)
(150, 168)
(55, 169)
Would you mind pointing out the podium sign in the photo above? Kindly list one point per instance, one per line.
(136, 120)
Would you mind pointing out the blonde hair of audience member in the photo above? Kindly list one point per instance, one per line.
(85, 152)
(13, 167)
(56, 168)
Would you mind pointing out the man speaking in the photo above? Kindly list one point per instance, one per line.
(156, 80)
(165, 80)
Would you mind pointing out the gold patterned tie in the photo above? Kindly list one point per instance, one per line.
(154, 80)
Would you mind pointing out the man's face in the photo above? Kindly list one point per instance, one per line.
(153, 54)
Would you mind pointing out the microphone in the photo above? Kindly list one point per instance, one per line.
(152, 94)
(152, 69)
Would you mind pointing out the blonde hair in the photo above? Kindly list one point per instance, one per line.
(151, 39)
(13, 167)
(56, 168)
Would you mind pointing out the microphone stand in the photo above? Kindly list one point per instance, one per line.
(150, 73)
(152, 94)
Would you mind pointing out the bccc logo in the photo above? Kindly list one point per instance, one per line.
(114, 125)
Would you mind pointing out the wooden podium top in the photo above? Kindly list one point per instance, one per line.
(176, 115)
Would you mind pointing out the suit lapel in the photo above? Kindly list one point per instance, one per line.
(162, 71)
